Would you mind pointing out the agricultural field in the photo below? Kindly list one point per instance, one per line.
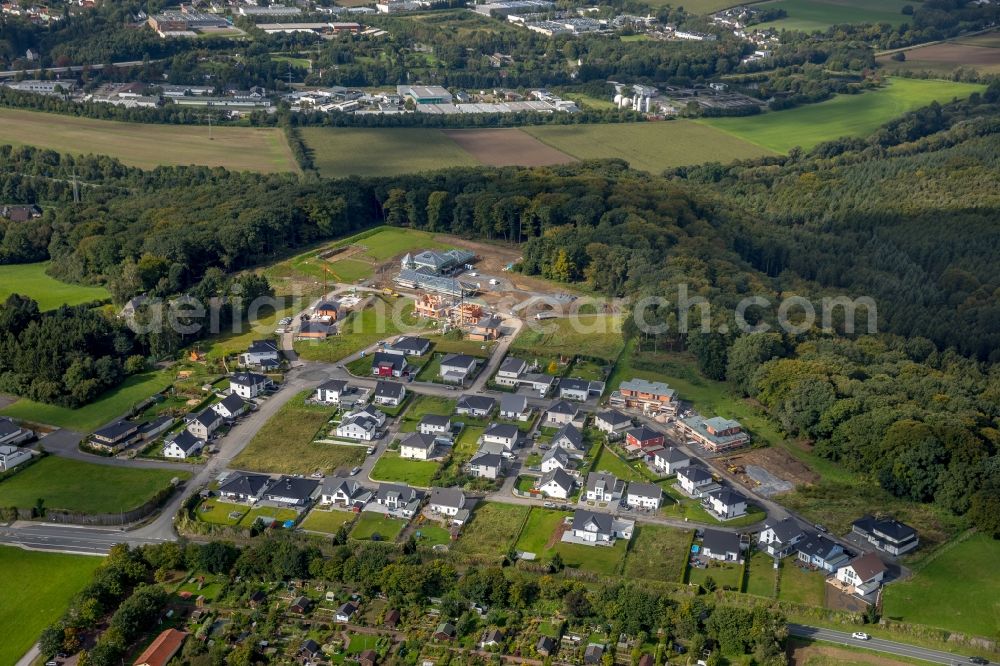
(285, 443)
(600, 335)
(147, 145)
(506, 147)
(844, 115)
(958, 589)
(35, 590)
(353, 151)
(658, 553)
(31, 280)
(106, 408)
(390, 467)
(808, 653)
(492, 530)
(371, 524)
(62, 483)
(652, 146)
(979, 52)
(810, 15)
(326, 521)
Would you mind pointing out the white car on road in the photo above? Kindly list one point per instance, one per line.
(860, 635)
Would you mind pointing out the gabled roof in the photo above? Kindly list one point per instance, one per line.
(614, 417)
(411, 343)
(163, 648)
(671, 455)
(247, 379)
(643, 433)
(335, 385)
(293, 487)
(233, 402)
(245, 484)
(867, 566)
(401, 491)
(462, 361)
(817, 545)
(728, 497)
(571, 433)
(334, 484)
(645, 490)
(263, 347)
(602, 521)
(314, 327)
(574, 384)
(502, 430)
(489, 321)
(486, 460)
(347, 609)
(186, 441)
(451, 497)
(784, 530)
(207, 418)
(718, 541)
(396, 361)
(602, 480)
(558, 453)
(477, 402)
(695, 474)
(513, 364)
(889, 527)
(310, 646)
(560, 477)
(436, 420)
(563, 407)
(418, 440)
(389, 390)
(116, 429)
(511, 403)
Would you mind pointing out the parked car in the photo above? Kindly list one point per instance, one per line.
(821, 528)
(860, 635)
(549, 505)
(979, 660)
(355, 471)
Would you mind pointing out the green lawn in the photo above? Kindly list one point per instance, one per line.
(433, 535)
(81, 486)
(285, 443)
(492, 530)
(539, 529)
(326, 521)
(725, 574)
(390, 467)
(958, 590)
(218, 513)
(32, 281)
(344, 151)
(35, 590)
(428, 404)
(651, 146)
(762, 575)
(844, 115)
(608, 461)
(599, 335)
(268, 513)
(371, 523)
(106, 408)
(658, 553)
(799, 585)
(809, 15)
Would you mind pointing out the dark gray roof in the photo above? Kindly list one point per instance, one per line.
(208, 418)
(889, 527)
(405, 493)
(643, 433)
(418, 440)
(389, 390)
(314, 327)
(245, 484)
(597, 480)
(574, 384)
(327, 305)
(8, 427)
(505, 430)
(556, 452)
(233, 402)
(513, 403)
(718, 541)
(513, 364)
(486, 460)
(411, 343)
(337, 385)
(477, 402)
(263, 347)
(247, 379)
(728, 496)
(186, 441)
(672, 455)
(614, 417)
(397, 361)
(463, 361)
(563, 407)
(333, 484)
(817, 545)
(116, 429)
(571, 433)
(448, 497)
(293, 487)
(435, 420)
(695, 474)
(558, 475)
(603, 521)
(645, 489)
(785, 530)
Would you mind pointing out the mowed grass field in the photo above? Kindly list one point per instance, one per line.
(658, 552)
(75, 485)
(809, 15)
(30, 280)
(844, 115)
(492, 530)
(147, 146)
(356, 151)
(648, 146)
(106, 408)
(599, 336)
(958, 590)
(34, 591)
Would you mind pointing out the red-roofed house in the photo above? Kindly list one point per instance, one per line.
(162, 649)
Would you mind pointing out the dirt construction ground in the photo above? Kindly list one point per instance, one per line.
(507, 147)
(811, 654)
(775, 462)
(948, 55)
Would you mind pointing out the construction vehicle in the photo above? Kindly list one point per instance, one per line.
(389, 292)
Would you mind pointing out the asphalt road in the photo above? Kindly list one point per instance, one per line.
(877, 644)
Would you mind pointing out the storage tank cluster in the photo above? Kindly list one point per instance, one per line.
(638, 102)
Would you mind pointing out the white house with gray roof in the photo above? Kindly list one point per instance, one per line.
(557, 484)
(604, 487)
(670, 459)
(514, 407)
(501, 433)
(778, 538)
(647, 496)
(555, 458)
(417, 446)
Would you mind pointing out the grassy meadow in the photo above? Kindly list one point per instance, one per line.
(34, 591)
(32, 281)
(658, 553)
(492, 530)
(391, 467)
(810, 15)
(62, 483)
(844, 115)
(147, 145)
(355, 151)
(599, 336)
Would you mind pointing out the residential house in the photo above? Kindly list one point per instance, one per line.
(203, 425)
(476, 406)
(487, 328)
(456, 368)
(345, 612)
(561, 413)
(183, 445)
(163, 648)
(115, 437)
(409, 345)
(670, 459)
(863, 574)
(389, 393)
(326, 310)
(612, 422)
(570, 440)
(719, 545)
(418, 446)
(593, 655)
(491, 639)
(330, 391)
(646, 396)
(391, 618)
(818, 551)
(571, 388)
(447, 501)
(11, 433)
(261, 354)
(249, 385)
(487, 465)
(445, 632)
(557, 484)
(385, 364)
(399, 498)
(231, 407)
(300, 605)
(12, 456)
(643, 439)
(514, 407)
(600, 528)
(778, 538)
(644, 496)
(362, 425)
(887, 534)
(726, 503)
(695, 480)
(555, 458)
(538, 382)
(20, 212)
(434, 424)
(501, 433)
(292, 490)
(510, 371)
(604, 487)
(313, 330)
(244, 487)
(546, 646)
(155, 428)
(715, 434)
(310, 649)
(344, 491)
